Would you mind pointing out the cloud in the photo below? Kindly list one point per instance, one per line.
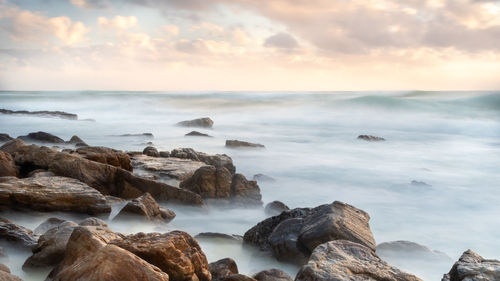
(282, 41)
(171, 29)
(118, 22)
(90, 4)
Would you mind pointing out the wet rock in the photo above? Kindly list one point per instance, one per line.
(151, 151)
(47, 224)
(200, 122)
(42, 137)
(146, 207)
(222, 268)
(160, 167)
(12, 146)
(275, 208)
(263, 178)
(77, 141)
(346, 260)
(272, 275)
(221, 236)
(176, 253)
(5, 274)
(293, 235)
(370, 138)
(7, 166)
(471, 266)
(52, 194)
(5, 138)
(43, 113)
(238, 144)
(197, 134)
(410, 250)
(217, 160)
(11, 232)
(106, 156)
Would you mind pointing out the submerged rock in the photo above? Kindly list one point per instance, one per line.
(42, 137)
(420, 183)
(151, 151)
(217, 160)
(200, 122)
(146, 207)
(275, 208)
(272, 275)
(370, 138)
(47, 224)
(8, 167)
(237, 143)
(11, 232)
(5, 138)
(106, 155)
(197, 134)
(43, 113)
(471, 266)
(346, 260)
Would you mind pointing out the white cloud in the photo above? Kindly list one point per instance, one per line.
(118, 22)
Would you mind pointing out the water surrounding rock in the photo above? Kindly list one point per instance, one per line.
(275, 208)
(42, 137)
(8, 167)
(106, 155)
(11, 232)
(272, 275)
(44, 113)
(237, 144)
(370, 138)
(197, 134)
(472, 267)
(151, 151)
(146, 207)
(217, 160)
(200, 122)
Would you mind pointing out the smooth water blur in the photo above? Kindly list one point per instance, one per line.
(449, 140)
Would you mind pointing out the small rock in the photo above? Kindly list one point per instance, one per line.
(217, 160)
(275, 208)
(272, 275)
(149, 135)
(151, 151)
(420, 183)
(77, 141)
(263, 178)
(5, 138)
(223, 236)
(12, 232)
(237, 277)
(370, 138)
(197, 134)
(223, 268)
(47, 224)
(237, 143)
(471, 266)
(42, 137)
(200, 122)
(147, 208)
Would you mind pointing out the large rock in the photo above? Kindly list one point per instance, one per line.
(345, 260)
(165, 167)
(223, 268)
(12, 146)
(217, 160)
(5, 138)
(238, 144)
(52, 194)
(42, 137)
(7, 166)
(11, 232)
(272, 275)
(176, 253)
(107, 156)
(294, 234)
(200, 122)
(245, 191)
(146, 207)
(471, 267)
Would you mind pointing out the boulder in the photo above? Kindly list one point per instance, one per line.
(200, 122)
(7, 166)
(12, 146)
(272, 275)
(165, 168)
(11, 232)
(197, 134)
(5, 274)
(107, 156)
(52, 194)
(275, 208)
(42, 137)
(222, 268)
(217, 160)
(471, 266)
(263, 178)
(77, 141)
(370, 138)
(43, 113)
(345, 260)
(146, 207)
(5, 138)
(151, 151)
(293, 235)
(176, 253)
(238, 144)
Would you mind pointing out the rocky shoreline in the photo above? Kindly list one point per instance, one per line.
(328, 242)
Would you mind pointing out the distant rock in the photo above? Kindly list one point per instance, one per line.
(145, 207)
(197, 134)
(217, 160)
(5, 138)
(12, 232)
(346, 260)
(106, 155)
(44, 113)
(272, 275)
(420, 183)
(471, 267)
(77, 141)
(165, 154)
(410, 250)
(263, 178)
(42, 137)
(200, 122)
(8, 167)
(237, 144)
(275, 208)
(149, 135)
(151, 151)
(370, 138)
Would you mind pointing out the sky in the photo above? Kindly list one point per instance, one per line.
(266, 45)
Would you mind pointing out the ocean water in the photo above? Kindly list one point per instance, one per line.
(449, 140)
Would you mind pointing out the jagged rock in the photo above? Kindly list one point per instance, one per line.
(370, 138)
(5, 274)
(200, 122)
(293, 235)
(147, 208)
(151, 151)
(197, 134)
(42, 137)
(52, 194)
(12, 146)
(77, 141)
(106, 156)
(237, 144)
(216, 235)
(5, 138)
(7, 166)
(275, 208)
(471, 267)
(346, 260)
(223, 268)
(272, 275)
(160, 167)
(263, 178)
(43, 113)
(217, 160)
(12, 232)
(176, 253)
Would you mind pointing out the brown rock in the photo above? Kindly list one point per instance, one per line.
(217, 160)
(240, 144)
(165, 167)
(107, 156)
(5, 274)
(176, 253)
(7, 166)
(223, 268)
(147, 208)
(209, 182)
(237, 277)
(200, 122)
(245, 191)
(272, 275)
(12, 146)
(47, 224)
(12, 232)
(77, 141)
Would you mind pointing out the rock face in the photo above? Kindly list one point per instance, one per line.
(272, 275)
(237, 143)
(106, 156)
(5, 138)
(7, 166)
(212, 182)
(44, 113)
(42, 137)
(176, 253)
(294, 234)
(275, 208)
(223, 268)
(345, 260)
(52, 194)
(370, 138)
(197, 134)
(151, 151)
(12, 232)
(471, 267)
(200, 122)
(146, 207)
(165, 167)
(217, 160)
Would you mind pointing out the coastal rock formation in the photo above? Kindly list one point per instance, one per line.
(217, 160)
(200, 122)
(77, 141)
(42, 137)
(272, 275)
(7, 166)
(151, 151)
(471, 267)
(237, 144)
(293, 235)
(370, 138)
(106, 155)
(5, 138)
(52, 194)
(275, 208)
(11, 232)
(146, 207)
(161, 167)
(44, 113)
(197, 134)
(176, 253)
(222, 268)
(346, 260)
(5, 274)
